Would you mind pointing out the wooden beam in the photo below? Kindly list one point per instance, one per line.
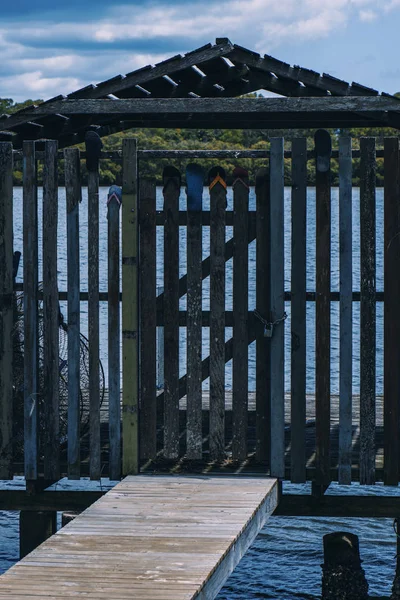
(47, 501)
(299, 505)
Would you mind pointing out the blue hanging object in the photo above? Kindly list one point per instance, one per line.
(194, 187)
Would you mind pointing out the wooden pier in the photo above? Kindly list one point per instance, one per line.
(150, 537)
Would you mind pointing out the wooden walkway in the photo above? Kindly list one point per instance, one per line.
(149, 538)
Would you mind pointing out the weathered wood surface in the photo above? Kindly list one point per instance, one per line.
(240, 370)
(130, 310)
(346, 308)
(6, 309)
(298, 310)
(50, 314)
(148, 412)
(263, 305)
(171, 191)
(31, 268)
(277, 341)
(114, 335)
(367, 310)
(391, 308)
(164, 537)
(217, 319)
(94, 322)
(73, 197)
(323, 310)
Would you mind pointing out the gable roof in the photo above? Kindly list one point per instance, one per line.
(220, 70)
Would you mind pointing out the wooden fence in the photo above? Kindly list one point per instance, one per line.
(294, 435)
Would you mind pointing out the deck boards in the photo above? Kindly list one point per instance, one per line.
(150, 537)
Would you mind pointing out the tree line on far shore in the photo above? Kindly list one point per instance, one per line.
(211, 139)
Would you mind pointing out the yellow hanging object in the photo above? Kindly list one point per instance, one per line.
(218, 179)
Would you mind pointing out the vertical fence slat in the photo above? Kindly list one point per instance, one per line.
(171, 180)
(263, 305)
(93, 322)
(367, 311)
(130, 310)
(277, 309)
(298, 311)
(240, 313)
(391, 311)
(346, 310)
(148, 413)
(217, 312)
(50, 313)
(322, 307)
(6, 308)
(114, 336)
(30, 253)
(73, 198)
(194, 439)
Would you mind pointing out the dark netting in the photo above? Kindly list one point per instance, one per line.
(18, 379)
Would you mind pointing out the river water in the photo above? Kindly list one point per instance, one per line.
(285, 560)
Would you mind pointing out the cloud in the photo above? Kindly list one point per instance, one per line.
(367, 16)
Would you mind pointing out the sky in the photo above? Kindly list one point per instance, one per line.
(48, 47)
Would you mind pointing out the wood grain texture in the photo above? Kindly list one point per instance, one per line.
(114, 336)
(150, 538)
(240, 367)
(130, 309)
(346, 310)
(6, 308)
(94, 323)
(73, 197)
(298, 310)
(194, 437)
(171, 307)
(323, 324)
(217, 321)
(277, 309)
(31, 343)
(50, 314)
(391, 321)
(148, 411)
(263, 305)
(367, 310)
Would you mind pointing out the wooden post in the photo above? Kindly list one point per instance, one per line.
(298, 310)
(391, 309)
(148, 315)
(240, 313)
(6, 309)
(277, 310)
(130, 310)
(73, 198)
(343, 578)
(323, 307)
(31, 365)
(346, 310)
(34, 528)
(93, 321)
(217, 312)
(50, 313)
(263, 305)
(367, 311)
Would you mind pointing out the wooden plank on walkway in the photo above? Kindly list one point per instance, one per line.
(31, 345)
(391, 310)
(51, 377)
(346, 308)
(298, 311)
(6, 309)
(148, 410)
(277, 309)
(367, 310)
(73, 196)
(151, 537)
(240, 372)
